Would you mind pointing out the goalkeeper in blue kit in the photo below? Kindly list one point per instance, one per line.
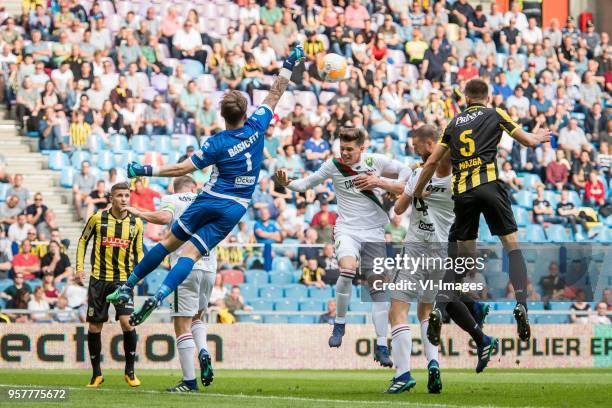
(236, 155)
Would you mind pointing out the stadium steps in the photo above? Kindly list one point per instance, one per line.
(22, 157)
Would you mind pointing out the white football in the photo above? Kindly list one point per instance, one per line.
(332, 68)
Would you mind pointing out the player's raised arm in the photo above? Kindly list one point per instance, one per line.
(159, 217)
(390, 170)
(282, 81)
(429, 168)
(541, 135)
(170, 170)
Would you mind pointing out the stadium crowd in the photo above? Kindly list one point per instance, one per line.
(86, 77)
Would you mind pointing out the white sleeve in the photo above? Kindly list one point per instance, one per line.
(303, 184)
(166, 204)
(389, 168)
(411, 184)
(405, 173)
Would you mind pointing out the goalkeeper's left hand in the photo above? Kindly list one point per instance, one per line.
(138, 170)
(295, 56)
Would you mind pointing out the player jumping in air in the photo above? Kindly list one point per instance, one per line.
(236, 155)
(117, 246)
(192, 295)
(361, 219)
(471, 140)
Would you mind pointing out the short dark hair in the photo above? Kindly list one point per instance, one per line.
(233, 107)
(353, 135)
(426, 132)
(477, 89)
(120, 186)
(181, 182)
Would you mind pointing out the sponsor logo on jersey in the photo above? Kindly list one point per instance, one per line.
(244, 180)
(423, 226)
(435, 189)
(369, 161)
(467, 117)
(242, 146)
(115, 242)
(348, 184)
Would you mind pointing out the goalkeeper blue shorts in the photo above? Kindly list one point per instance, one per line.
(207, 221)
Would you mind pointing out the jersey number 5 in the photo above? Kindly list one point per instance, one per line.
(470, 147)
(249, 163)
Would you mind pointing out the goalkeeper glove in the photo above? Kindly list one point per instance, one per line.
(296, 55)
(137, 170)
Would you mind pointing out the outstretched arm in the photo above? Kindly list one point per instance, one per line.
(402, 203)
(303, 184)
(282, 81)
(531, 139)
(160, 217)
(429, 168)
(170, 170)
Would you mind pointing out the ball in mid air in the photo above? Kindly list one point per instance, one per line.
(332, 68)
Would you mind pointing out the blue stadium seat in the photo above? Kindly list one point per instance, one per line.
(257, 277)
(535, 233)
(162, 144)
(521, 215)
(249, 318)
(280, 278)
(504, 305)
(605, 236)
(552, 319)
(557, 233)
(286, 305)
(524, 198)
(96, 143)
(277, 319)
(271, 292)
(552, 197)
(535, 305)
(105, 160)
(3, 189)
(500, 319)
(173, 156)
(128, 157)
(557, 305)
(574, 198)
(312, 305)
(5, 283)
(119, 143)
(323, 293)
(187, 140)
(530, 181)
(302, 319)
(296, 291)
(58, 160)
(355, 319)
(192, 68)
(154, 280)
(358, 306)
(282, 264)
(67, 177)
(262, 304)
(140, 144)
(249, 291)
(33, 283)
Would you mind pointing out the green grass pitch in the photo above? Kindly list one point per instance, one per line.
(270, 389)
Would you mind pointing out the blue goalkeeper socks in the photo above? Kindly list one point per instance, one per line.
(178, 274)
(151, 260)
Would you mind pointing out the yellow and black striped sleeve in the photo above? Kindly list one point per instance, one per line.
(445, 137)
(138, 251)
(88, 232)
(505, 122)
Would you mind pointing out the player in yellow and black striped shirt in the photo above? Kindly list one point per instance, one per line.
(471, 139)
(117, 247)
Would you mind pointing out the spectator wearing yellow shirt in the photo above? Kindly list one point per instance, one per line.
(312, 274)
(313, 45)
(416, 48)
(79, 130)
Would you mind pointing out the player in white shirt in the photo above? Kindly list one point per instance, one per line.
(361, 219)
(192, 296)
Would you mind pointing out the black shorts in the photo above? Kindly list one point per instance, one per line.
(97, 306)
(491, 200)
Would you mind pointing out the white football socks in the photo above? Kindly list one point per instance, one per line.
(430, 351)
(199, 335)
(380, 317)
(186, 347)
(401, 347)
(344, 288)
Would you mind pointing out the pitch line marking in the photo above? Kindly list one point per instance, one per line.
(262, 397)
